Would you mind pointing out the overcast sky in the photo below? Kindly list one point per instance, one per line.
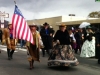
(34, 9)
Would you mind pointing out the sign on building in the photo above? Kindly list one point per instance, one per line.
(3, 15)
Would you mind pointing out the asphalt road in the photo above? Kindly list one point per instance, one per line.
(20, 66)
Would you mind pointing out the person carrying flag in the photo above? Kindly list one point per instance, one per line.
(33, 49)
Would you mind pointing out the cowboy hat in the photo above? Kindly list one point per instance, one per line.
(9, 23)
(45, 24)
(33, 25)
(62, 25)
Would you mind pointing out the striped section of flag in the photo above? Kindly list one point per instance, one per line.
(20, 27)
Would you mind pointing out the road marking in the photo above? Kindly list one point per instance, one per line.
(5, 49)
(17, 49)
(21, 49)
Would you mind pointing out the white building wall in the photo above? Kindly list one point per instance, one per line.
(72, 18)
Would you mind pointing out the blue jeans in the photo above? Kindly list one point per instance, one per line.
(22, 43)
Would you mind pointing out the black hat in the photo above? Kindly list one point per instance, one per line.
(70, 28)
(45, 24)
(76, 28)
(88, 27)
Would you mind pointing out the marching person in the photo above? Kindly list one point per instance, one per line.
(7, 38)
(62, 49)
(33, 49)
(88, 47)
(79, 39)
(73, 40)
(47, 38)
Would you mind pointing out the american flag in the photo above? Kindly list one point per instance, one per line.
(20, 27)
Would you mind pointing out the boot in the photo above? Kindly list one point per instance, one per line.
(30, 65)
(8, 52)
(50, 50)
(43, 52)
(11, 54)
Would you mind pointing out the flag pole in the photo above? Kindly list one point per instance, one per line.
(15, 2)
(17, 40)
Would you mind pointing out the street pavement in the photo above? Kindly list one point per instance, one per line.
(20, 66)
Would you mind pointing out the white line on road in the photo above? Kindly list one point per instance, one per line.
(4, 48)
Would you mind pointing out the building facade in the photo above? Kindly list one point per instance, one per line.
(55, 21)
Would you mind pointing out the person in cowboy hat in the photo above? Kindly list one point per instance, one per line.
(8, 39)
(33, 49)
(47, 38)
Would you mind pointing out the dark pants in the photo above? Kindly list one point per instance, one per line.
(10, 53)
(47, 46)
(98, 61)
(79, 45)
(1, 38)
(22, 43)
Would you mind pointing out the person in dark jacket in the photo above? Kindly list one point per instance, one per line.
(47, 38)
(63, 36)
(62, 49)
(79, 39)
(97, 53)
(1, 33)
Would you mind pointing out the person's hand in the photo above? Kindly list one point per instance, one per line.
(74, 41)
(15, 43)
(26, 47)
(82, 37)
(98, 45)
(51, 34)
(3, 42)
(58, 41)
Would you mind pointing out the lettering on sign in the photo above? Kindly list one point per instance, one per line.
(2, 25)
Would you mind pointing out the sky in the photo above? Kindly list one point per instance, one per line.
(38, 9)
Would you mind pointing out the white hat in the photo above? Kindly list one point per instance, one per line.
(33, 24)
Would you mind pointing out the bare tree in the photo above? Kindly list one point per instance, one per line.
(95, 14)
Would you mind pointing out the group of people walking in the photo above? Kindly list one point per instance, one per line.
(86, 41)
(59, 45)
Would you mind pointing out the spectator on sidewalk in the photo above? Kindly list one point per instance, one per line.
(1, 35)
(22, 43)
(97, 36)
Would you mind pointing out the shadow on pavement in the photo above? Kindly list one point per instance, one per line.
(62, 68)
